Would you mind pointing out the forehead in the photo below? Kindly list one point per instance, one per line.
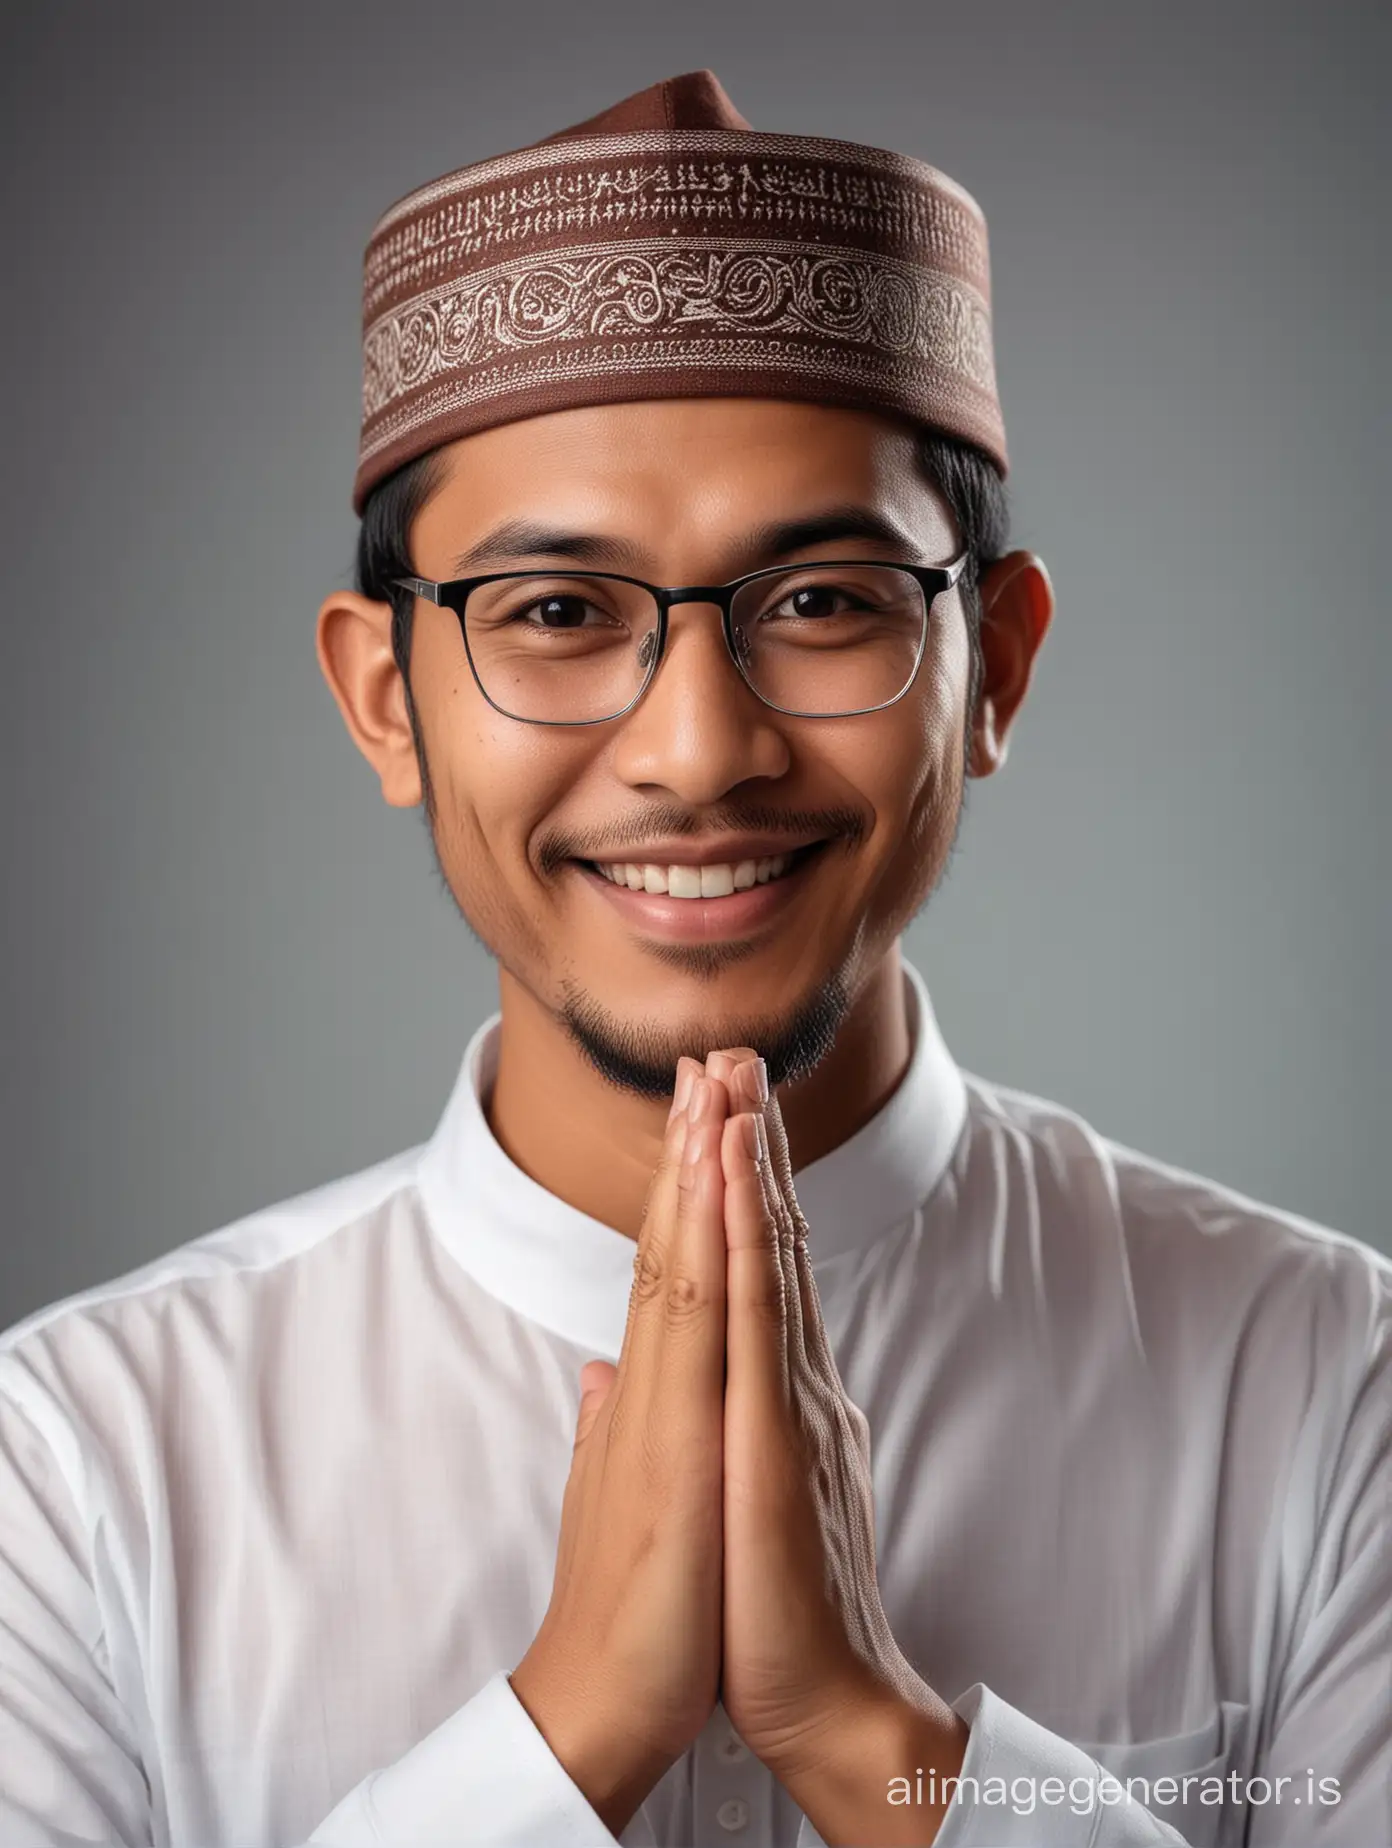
(678, 476)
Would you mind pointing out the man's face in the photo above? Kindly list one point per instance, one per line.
(689, 491)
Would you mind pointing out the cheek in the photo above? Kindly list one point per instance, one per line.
(914, 776)
(942, 707)
(499, 788)
(495, 782)
(911, 768)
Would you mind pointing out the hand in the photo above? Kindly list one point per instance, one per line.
(624, 1670)
(812, 1678)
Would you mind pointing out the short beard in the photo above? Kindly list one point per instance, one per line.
(641, 1058)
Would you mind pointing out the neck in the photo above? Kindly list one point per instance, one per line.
(595, 1147)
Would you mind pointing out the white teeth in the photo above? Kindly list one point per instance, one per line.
(695, 881)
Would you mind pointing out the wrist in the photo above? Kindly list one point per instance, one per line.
(847, 1786)
(612, 1770)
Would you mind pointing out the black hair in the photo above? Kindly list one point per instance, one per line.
(966, 477)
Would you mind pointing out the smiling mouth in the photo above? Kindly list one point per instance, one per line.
(718, 880)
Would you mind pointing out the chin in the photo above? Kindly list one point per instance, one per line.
(637, 1049)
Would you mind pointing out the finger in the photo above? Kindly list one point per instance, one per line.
(725, 1063)
(688, 1070)
(661, 1192)
(750, 1091)
(782, 1164)
(674, 1346)
(660, 1199)
(594, 1390)
(757, 1335)
(816, 1344)
(596, 1383)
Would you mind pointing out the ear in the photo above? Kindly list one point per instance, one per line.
(1017, 605)
(353, 643)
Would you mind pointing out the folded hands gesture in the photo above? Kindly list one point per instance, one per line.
(717, 1534)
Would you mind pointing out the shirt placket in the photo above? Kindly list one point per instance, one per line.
(732, 1793)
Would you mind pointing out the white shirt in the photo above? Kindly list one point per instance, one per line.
(279, 1511)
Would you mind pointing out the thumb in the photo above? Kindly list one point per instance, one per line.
(596, 1379)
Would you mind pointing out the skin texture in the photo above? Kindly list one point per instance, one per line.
(684, 487)
(717, 1532)
(638, 1585)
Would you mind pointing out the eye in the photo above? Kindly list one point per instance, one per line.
(811, 601)
(559, 612)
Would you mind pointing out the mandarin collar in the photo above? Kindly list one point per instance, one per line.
(572, 1274)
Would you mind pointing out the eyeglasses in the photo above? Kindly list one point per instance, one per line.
(813, 641)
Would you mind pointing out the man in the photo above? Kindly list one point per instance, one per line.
(735, 1423)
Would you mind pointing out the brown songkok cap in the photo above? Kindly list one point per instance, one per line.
(665, 249)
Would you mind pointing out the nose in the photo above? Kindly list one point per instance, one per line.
(699, 731)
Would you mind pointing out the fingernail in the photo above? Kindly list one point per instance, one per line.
(755, 1134)
(681, 1095)
(693, 1146)
(700, 1099)
(750, 1132)
(761, 1080)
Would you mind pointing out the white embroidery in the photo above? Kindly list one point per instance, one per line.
(833, 206)
(677, 298)
(829, 374)
(721, 145)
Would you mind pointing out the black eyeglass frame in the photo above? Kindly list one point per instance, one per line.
(454, 594)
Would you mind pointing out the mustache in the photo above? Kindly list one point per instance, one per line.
(832, 824)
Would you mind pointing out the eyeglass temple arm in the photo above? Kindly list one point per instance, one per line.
(421, 587)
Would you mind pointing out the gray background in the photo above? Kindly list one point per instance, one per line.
(228, 971)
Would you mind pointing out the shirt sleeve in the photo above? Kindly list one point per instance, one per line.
(1021, 1786)
(1329, 1730)
(486, 1776)
(1021, 1783)
(71, 1766)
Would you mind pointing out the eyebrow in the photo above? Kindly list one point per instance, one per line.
(517, 541)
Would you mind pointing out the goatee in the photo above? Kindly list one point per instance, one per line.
(640, 1057)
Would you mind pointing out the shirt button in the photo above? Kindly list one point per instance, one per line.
(732, 1814)
(733, 1749)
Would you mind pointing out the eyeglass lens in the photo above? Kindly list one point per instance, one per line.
(816, 639)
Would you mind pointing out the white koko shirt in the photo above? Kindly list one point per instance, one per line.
(279, 1511)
